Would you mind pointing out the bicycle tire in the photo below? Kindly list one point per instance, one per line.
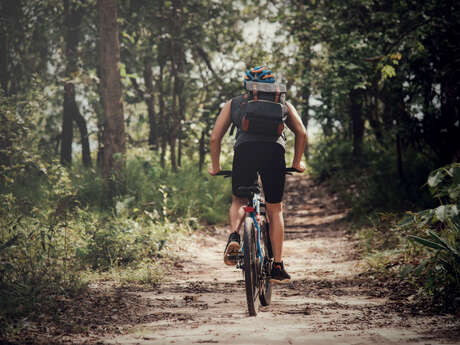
(250, 278)
(265, 294)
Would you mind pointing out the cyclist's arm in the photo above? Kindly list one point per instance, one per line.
(220, 128)
(294, 122)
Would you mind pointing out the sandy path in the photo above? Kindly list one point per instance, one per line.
(327, 302)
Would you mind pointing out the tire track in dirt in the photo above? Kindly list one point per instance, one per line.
(328, 301)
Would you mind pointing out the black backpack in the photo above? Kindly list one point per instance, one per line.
(263, 110)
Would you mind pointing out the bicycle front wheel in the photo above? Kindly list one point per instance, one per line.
(265, 295)
(249, 253)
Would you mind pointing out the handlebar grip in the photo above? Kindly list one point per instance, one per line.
(224, 173)
(288, 171)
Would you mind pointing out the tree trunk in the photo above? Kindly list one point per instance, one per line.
(81, 123)
(172, 133)
(72, 113)
(306, 92)
(356, 115)
(172, 146)
(163, 152)
(202, 150)
(161, 115)
(373, 112)
(150, 102)
(114, 126)
(98, 109)
(67, 126)
(73, 15)
(179, 152)
(4, 78)
(399, 159)
(449, 143)
(9, 21)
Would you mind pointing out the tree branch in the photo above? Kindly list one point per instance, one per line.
(205, 57)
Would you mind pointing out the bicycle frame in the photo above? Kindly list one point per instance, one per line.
(253, 209)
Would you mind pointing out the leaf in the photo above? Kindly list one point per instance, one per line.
(122, 70)
(443, 242)
(426, 243)
(388, 72)
(9, 243)
(420, 267)
(454, 193)
(446, 265)
(406, 221)
(446, 212)
(435, 179)
(406, 270)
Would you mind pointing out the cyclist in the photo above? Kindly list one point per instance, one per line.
(256, 153)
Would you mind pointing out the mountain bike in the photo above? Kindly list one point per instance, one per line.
(256, 256)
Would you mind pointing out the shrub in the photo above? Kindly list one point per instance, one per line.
(372, 183)
(188, 196)
(440, 273)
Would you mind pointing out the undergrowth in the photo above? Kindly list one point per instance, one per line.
(422, 248)
(371, 183)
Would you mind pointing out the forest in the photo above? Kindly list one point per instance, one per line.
(106, 110)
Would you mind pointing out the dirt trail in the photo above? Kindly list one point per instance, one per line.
(328, 302)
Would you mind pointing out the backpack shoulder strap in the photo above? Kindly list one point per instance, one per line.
(237, 107)
(277, 95)
(254, 92)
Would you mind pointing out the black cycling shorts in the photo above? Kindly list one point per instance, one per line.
(265, 158)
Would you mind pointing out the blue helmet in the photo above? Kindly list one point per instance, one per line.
(259, 74)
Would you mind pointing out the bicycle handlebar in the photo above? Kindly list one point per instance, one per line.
(288, 171)
(224, 173)
(228, 173)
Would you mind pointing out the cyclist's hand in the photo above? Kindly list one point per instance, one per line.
(300, 166)
(213, 171)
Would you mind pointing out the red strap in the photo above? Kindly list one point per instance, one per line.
(277, 97)
(254, 92)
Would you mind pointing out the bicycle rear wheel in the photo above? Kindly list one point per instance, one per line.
(250, 276)
(265, 295)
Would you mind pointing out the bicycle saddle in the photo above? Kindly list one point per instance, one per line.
(248, 191)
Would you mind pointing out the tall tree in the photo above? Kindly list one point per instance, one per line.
(110, 88)
(73, 15)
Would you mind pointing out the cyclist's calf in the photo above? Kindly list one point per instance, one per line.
(236, 213)
(276, 220)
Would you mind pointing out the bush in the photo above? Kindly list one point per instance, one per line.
(440, 272)
(188, 196)
(37, 252)
(59, 224)
(372, 183)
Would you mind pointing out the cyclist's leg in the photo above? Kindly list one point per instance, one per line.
(244, 173)
(236, 213)
(273, 178)
(233, 246)
(275, 217)
(278, 273)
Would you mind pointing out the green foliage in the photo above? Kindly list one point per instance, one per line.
(188, 196)
(57, 224)
(372, 183)
(37, 250)
(441, 271)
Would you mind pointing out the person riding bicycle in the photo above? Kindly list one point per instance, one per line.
(256, 153)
